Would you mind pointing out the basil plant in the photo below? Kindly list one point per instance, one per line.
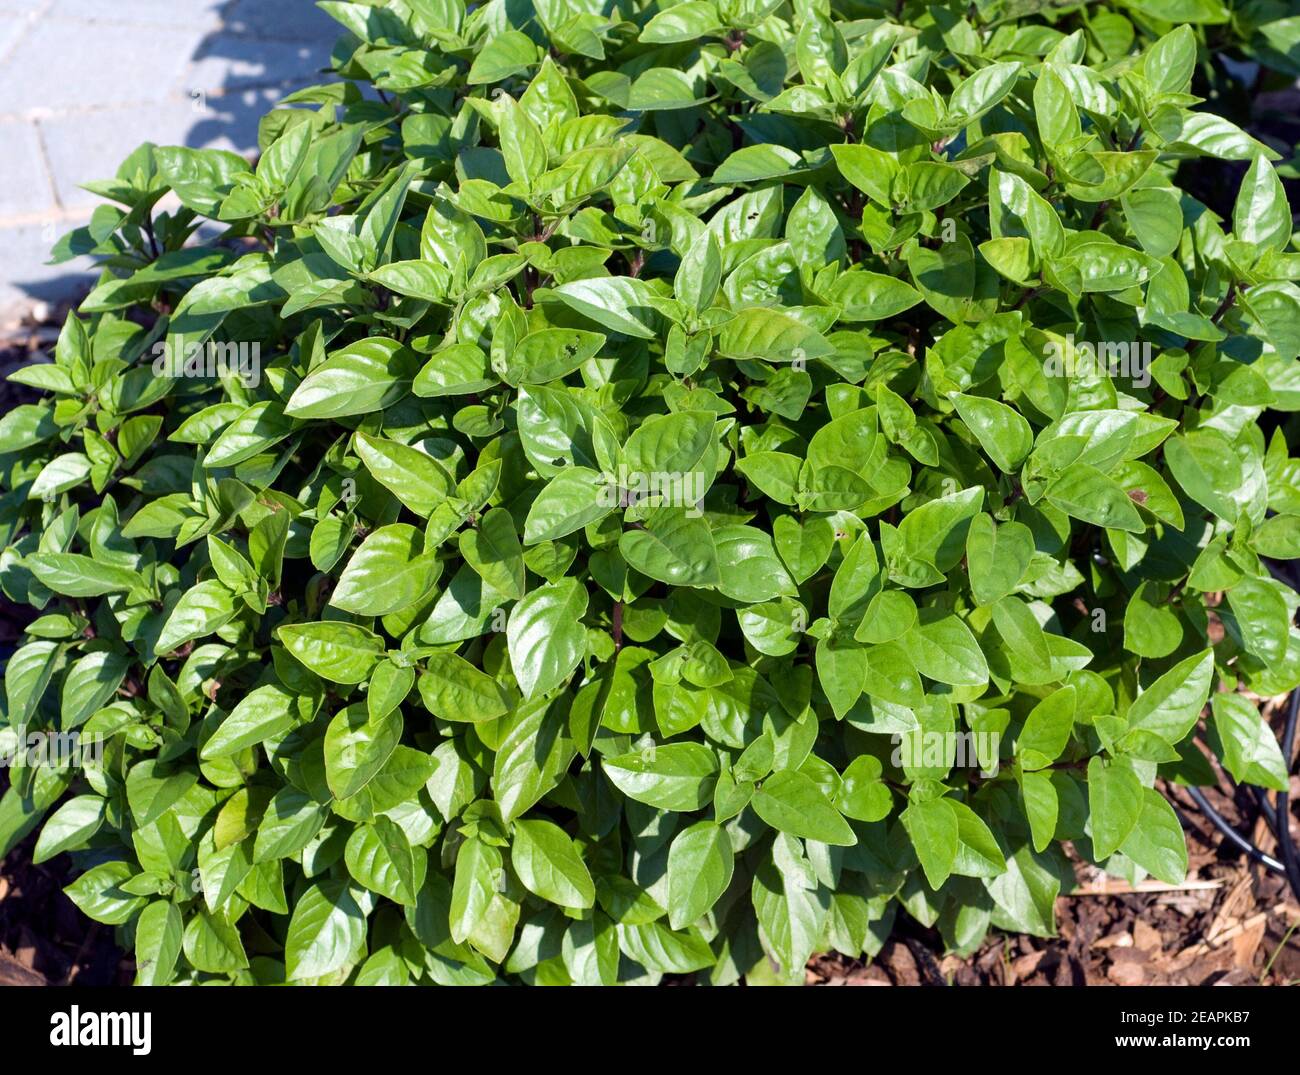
(632, 490)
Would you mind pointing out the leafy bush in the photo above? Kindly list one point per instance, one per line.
(638, 493)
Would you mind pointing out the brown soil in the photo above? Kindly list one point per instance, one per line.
(44, 939)
(1230, 923)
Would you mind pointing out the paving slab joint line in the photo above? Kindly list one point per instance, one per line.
(47, 167)
(60, 215)
(47, 115)
(30, 19)
(216, 29)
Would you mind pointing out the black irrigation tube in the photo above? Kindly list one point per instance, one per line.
(1283, 826)
(1277, 815)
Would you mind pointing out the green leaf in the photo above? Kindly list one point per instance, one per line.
(673, 548)
(546, 637)
(1001, 431)
(1024, 898)
(1171, 706)
(675, 776)
(69, 827)
(338, 652)
(978, 854)
(532, 755)
(1086, 493)
(791, 909)
(620, 304)
(326, 932)
(356, 749)
(869, 169)
(997, 557)
(255, 430)
(363, 377)
(1279, 537)
(574, 498)
(700, 271)
(379, 857)
(863, 795)
(153, 787)
(1262, 617)
(98, 894)
(1262, 214)
(158, 933)
(700, 867)
(289, 823)
(749, 567)
(1042, 807)
(80, 576)
(1170, 61)
(201, 610)
(1157, 843)
(453, 689)
(389, 572)
(423, 280)
(1151, 629)
(212, 944)
(1249, 748)
(1047, 729)
(682, 22)
(522, 146)
(772, 336)
(1116, 800)
(1208, 470)
(872, 296)
(478, 871)
(550, 865)
(418, 480)
(670, 443)
(945, 650)
(1023, 634)
(932, 827)
(791, 802)
(981, 91)
(505, 54)
(457, 371)
(265, 713)
(549, 354)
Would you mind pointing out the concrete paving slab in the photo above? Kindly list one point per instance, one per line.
(69, 66)
(234, 62)
(287, 21)
(25, 187)
(145, 12)
(12, 27)
(24, 250)
(92, 145)
(83, 82)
